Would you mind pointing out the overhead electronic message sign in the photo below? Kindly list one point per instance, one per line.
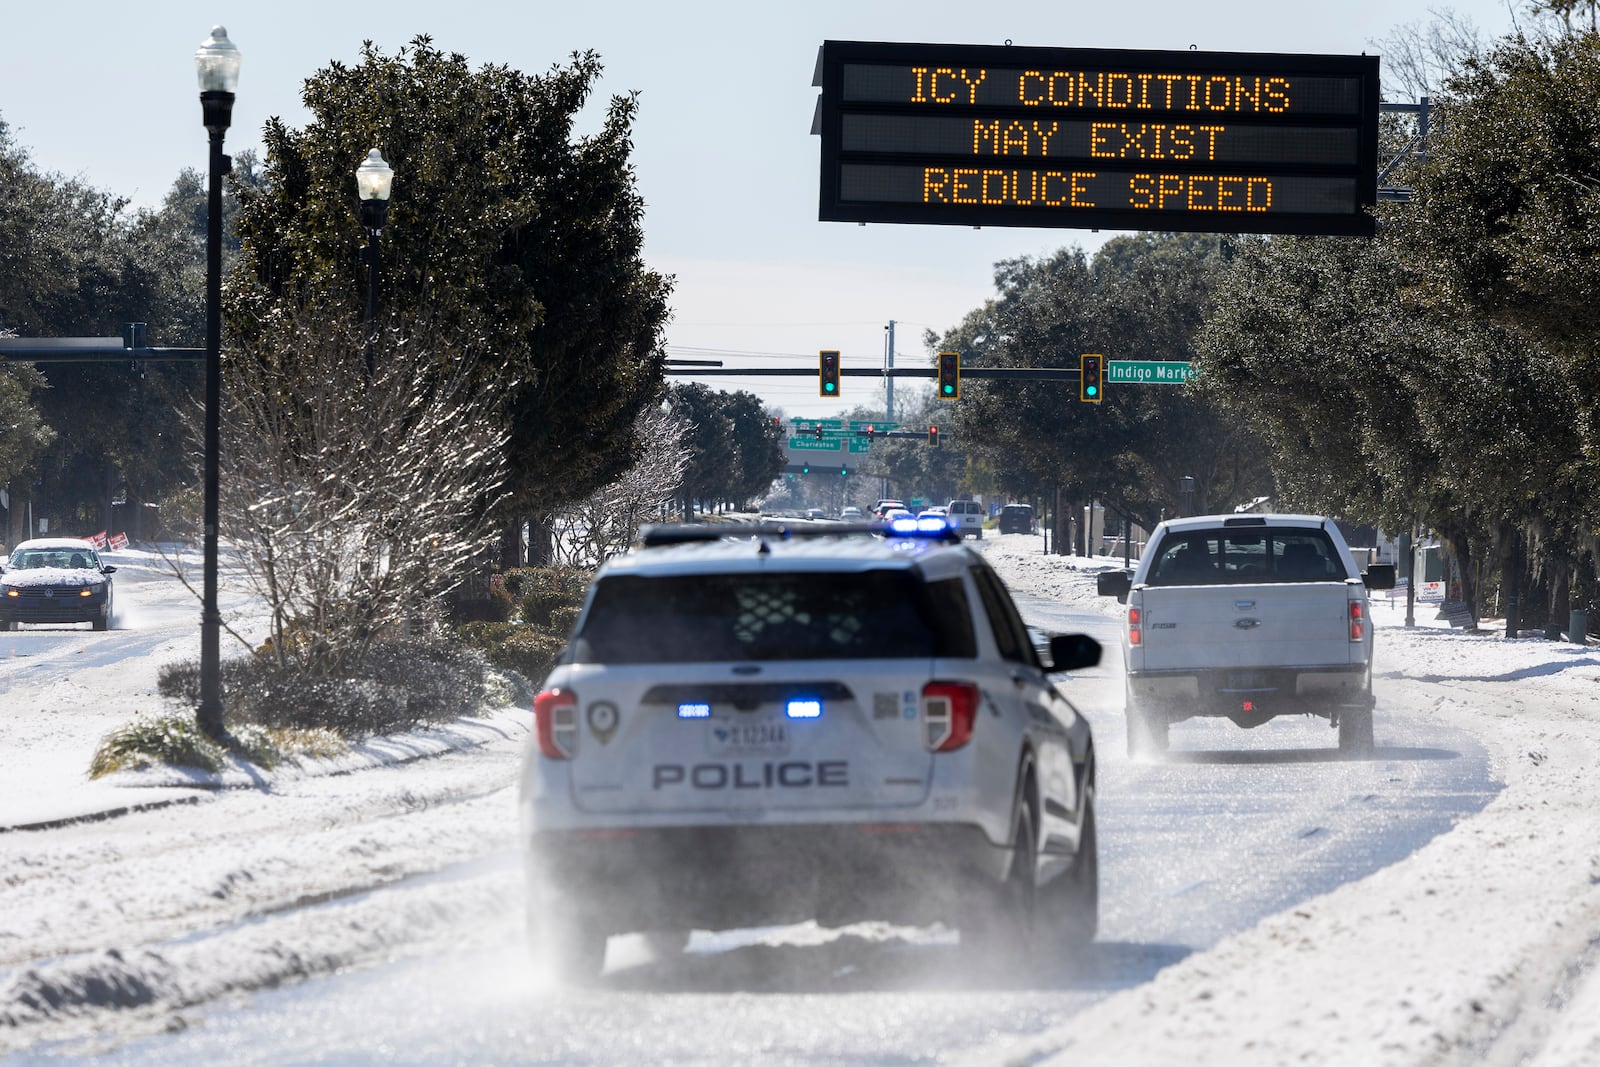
(979, 135)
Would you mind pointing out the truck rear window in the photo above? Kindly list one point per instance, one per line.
(785, 616)
(1236, 556)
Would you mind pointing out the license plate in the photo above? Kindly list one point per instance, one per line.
(732, 737)
(1248, 680)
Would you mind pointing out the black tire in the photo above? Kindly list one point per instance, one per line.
(1355, 731)
(1147, 729)
(1002, 927)
(7, 624)
(1072, 902)
(102, 623)
(571, 946)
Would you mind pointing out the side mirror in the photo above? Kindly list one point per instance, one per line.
(108, 570)
(1071, 652)
(1379, 576)
(1114, 583)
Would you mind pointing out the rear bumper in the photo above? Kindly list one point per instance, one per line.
(1268, 691)
(725, 877)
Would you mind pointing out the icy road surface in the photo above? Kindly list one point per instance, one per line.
(375, 917)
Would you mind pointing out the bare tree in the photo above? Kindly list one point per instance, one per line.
(1418, 57)
(607, 523)
(354, 503)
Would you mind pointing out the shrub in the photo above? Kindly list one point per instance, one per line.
(401, 684)
(177, 741)
(515, 647)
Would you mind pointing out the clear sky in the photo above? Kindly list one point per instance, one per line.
(105, 90)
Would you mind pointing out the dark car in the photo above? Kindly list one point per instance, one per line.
(55, 579)
(1016, 518)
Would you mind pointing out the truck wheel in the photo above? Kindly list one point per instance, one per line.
(1355, 730)
(1147, 728)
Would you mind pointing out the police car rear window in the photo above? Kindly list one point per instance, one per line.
(715, 618)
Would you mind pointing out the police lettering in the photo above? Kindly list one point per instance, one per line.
(788, 774)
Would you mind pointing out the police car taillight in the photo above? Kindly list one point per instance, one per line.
(555, 714)
(1358, 620)
(948, 711)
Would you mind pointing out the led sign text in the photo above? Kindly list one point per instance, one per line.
(974, 135)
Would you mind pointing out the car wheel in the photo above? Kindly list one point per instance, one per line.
(1002, 927)
(571, 945)
(101, 623)
(1074, 898)
(1355, 730)
(7, 624)
(1147, 728)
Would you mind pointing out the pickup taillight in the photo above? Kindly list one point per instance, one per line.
(1135, 626)
(1358, 620)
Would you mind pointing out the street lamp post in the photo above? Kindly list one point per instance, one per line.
(374, 179)
(216, 64)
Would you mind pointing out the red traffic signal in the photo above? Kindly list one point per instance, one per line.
(933, 436)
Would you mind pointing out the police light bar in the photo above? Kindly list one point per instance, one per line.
(927, 527)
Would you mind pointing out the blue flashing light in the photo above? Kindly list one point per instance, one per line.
(694, 711)
(804, 708)
(904, 525)
(932, 524)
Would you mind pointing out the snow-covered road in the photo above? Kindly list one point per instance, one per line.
(1263, 901)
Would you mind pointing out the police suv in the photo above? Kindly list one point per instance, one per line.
(768, 724)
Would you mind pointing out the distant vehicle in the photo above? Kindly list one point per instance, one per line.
(55, 579)
(1016, 518)
(796, 724)
(891, 514)
(816, 513)
(850, 513)
(882, 506)
(966, 516)
(1247, 617)
(937, 509)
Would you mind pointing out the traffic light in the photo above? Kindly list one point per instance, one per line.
(1091, 378)
(869, 435)
(816, 431)
(805, 468)
(949, 376)
(844, 472)
(828, 374)
(933, 436)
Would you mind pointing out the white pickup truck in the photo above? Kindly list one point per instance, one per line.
(1247, 617)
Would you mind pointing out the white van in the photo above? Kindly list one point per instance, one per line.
(966, 517)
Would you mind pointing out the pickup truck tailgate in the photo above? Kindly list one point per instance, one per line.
(1279, 625)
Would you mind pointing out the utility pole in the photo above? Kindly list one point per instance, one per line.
(888, 381)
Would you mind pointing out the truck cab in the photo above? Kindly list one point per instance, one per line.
(1247, 617)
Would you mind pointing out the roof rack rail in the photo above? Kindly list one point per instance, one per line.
(659, 535)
